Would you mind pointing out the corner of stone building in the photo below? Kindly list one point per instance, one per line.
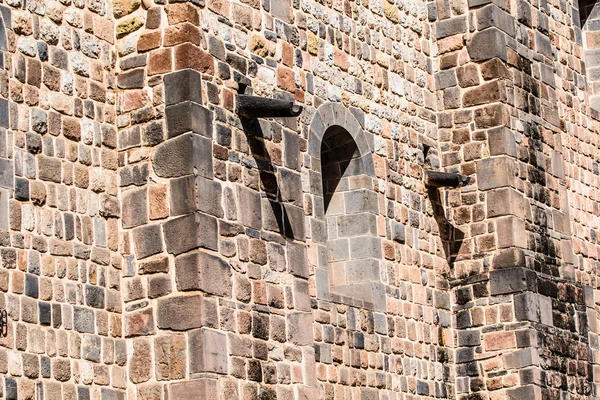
(504, 111)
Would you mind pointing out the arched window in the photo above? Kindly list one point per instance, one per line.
(589, 17)
(343, 162)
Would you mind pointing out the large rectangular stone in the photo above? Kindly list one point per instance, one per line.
(493, 16)
(487, 44)
(147, 241)
(191, 232)
(208, 351)
(180, 313)
(511, 280)
(182, 86)
(249, 207)
(511, 232)
(203, 271)
(205, 389)
(495, 172)
(501, 141)
(4, 219)
(7, 173)
(189, 117)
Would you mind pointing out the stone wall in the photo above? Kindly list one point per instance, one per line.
(155, 245)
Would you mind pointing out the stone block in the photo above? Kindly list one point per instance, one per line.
(134, 207)
(533, 307)
(205, 388)
(180, 313)
(360, 201)
(529, 392)
(189, 117)
(299, 328)
(208, 351)
(362, 270)
(505, 201)
(184, 155)
(170, 357)
(249, 201)
(451, 26)
(181, 86)
(290, 186)
(4, 216)
(7, 173)
(203, 271)
(183, 195)
(208, 196)
(356, 225)
(502, 141)
(297, 259)
(83, 320)
(445, 79)
(490, 116)
(508, 258)
(487, 44)
(495, 172)
(398, 232)
(139, 323)
(486, 93)
(492, 16)
(147, 241)
(511, 232)
(190, 232)
(511, 280)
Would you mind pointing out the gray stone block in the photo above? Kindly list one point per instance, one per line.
(365, 247)
(495, 172)
(147, 241)
(4, 119)
(398, 232)
(359, 201)
(183, 195)
(189, 117)
(487, 44)
(451, 26)
(134, 207)
(356, 225)
(297, 259)
(493, 16)
(208, 196)
(83, 320)
(203, 271)
(511, 280)
(180, 313)
(502, 142)
(521, 358)
(7, 173)
(445, 79)
(4, 219)
(290, 186)
(183, 85)
(208, 351)
(362, 270)
(184, 155)
(190, 232)
(249, 206)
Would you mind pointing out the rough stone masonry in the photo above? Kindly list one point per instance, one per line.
(156, 245)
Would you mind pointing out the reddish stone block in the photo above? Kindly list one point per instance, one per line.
(160, 61)
(189, 56)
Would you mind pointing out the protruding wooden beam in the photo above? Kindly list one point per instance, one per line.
(445, 179)
(263, 107)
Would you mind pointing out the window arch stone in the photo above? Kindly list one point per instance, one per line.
(343, 225)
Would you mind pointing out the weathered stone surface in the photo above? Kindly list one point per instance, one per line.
(203, 271)
(190, 232)
(208, 351)
(180, 313)
(140, 366)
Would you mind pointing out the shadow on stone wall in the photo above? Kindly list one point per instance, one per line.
(268, 175)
